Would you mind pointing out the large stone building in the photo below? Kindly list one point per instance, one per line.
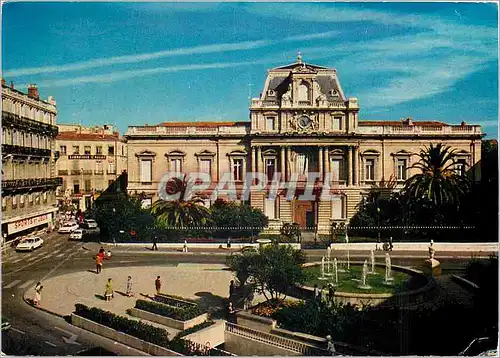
(301, 123)
(28, 161)
(91, 158)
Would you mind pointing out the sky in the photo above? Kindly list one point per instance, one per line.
(147, 63)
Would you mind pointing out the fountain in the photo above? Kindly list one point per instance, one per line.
(372, 260)
(363, 284)
(388, 277)
(322, 269)
(335, 273)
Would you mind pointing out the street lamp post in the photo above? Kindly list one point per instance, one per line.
(378, 226)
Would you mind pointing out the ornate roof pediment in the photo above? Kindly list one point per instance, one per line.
(175, 152)
(238, 152)
(145, 153)
(371, 152)
(205, 153)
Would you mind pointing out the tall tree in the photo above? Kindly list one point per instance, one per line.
(438, 180)
(186, 211)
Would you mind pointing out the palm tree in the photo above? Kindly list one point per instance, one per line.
(438, 181)
(183, 212)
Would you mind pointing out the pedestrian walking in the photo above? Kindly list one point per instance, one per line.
(98, 263)
(128, 291)
(230, 313)
(158, 285)
(38, 294)
(185, 248)
(390, 244)
(108, 255)
(316, 292)
(155, 246)
(330, 346)
(231, 289)
(108, 293)
(102, 253)
(331, 294)
(228, 243)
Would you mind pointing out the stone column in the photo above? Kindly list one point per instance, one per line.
(356, 165)
(259, 154)
(253, 160)
(320, 161)
(282, 163)
(327, 160)
(349, 166)
(289, 162)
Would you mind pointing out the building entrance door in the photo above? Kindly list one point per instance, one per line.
(304, 214)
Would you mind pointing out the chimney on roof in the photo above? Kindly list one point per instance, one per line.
(33, 91)
(11, 85)
(463, 124)
(3, 81)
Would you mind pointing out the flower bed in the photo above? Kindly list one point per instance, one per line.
(177, 313)
(143, 331)
(174, 301)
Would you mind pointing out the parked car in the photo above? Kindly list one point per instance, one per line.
(29, 244)
(89, 224)
(77, 234)
(68, 228)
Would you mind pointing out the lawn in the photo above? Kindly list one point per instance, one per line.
(349, 281)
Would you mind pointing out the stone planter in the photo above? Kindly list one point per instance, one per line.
(167, 321)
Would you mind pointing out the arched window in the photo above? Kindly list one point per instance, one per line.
(303, 92)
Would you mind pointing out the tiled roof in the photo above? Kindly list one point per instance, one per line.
(201, 124)
(86, 136)
(400, 123)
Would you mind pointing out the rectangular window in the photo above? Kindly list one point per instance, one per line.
(21, 201)
(87, 185)
(205, 166)
(45, 197)
(98, 150)
(335, 170)
(146, 170)
(270, 168)
(62, 149)
(30, 199)
(176, 165)
(461, 167)
(270, 123)
(369, 169)
(76, 149)
(37, 198)
(401, 169)
(238, 169)
(86, 150)
(111, 168)
(14, 202)
(99, 168)
(336, 123)
(4, 203)
(337, 207)
(111, 150)
(76, 187)
(270, 208)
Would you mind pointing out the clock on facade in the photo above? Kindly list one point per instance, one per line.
(304, 121)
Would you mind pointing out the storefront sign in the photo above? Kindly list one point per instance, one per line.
(28, 223)
(86, 156)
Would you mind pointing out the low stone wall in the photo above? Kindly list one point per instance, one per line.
(167, 321)
(249, 320)
(126, 339)
(180, 245)
(422, 246)
(467, 284)
(210, 336)
(401, 299)
(246, 346)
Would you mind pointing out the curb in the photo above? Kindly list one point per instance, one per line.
(25, 299)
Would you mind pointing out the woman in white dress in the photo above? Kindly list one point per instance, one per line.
(38, 294)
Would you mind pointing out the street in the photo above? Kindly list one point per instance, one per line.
(35, 332)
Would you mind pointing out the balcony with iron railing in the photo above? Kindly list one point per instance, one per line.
(19, 184)
(22, 123)
(24, 151)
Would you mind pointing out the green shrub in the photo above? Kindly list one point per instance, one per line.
(174, 301)
(145, 332)
(180, 314)
(196, 328)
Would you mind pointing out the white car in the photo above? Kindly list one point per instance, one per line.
(76, 235)
(29, 244)
(68, 228)
(90, 223)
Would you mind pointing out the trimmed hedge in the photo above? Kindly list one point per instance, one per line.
(177, 313)
(174, 301)
(196, 328)
(144, 331)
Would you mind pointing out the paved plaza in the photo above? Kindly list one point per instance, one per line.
(206, 283)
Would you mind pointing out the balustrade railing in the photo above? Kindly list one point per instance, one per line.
(15, 121)
(290, 344)
(63, 172)
(76, 172)
(31, 183)
(87, 172)
(99, 172)
(22, 150)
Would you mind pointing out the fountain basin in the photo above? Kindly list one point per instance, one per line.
(420, 290)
